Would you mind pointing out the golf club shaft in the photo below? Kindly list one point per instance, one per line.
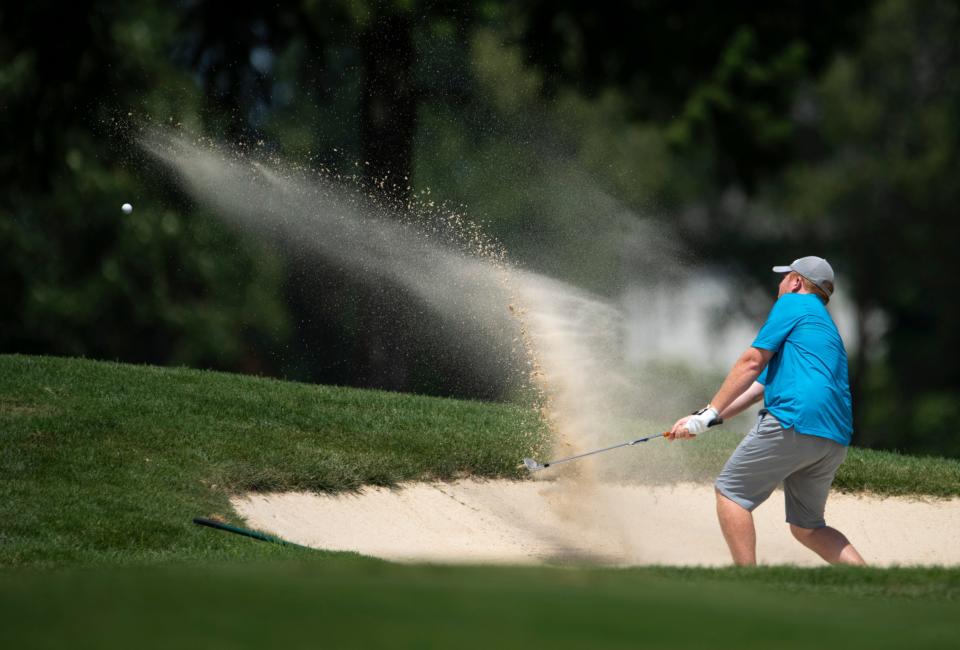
(598, 451)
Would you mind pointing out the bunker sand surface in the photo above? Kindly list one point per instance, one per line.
(560, 522)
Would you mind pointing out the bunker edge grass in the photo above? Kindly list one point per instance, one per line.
(108, 463)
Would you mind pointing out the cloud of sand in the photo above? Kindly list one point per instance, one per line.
(570, 341)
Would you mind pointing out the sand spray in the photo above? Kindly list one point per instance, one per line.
(565, 341)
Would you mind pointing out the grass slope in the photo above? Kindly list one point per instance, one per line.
(108, 463)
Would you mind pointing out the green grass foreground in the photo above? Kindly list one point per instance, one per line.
(359, 603)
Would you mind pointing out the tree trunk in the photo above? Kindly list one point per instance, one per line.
(388, 104)
(388, 110)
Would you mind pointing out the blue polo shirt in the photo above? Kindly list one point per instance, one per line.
(805, 384)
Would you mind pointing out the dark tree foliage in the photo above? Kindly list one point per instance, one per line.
(61, 67)
(229, 46)
(835, 115)
(831, 124)
(724, 73)
(76, 276)
(388, 101)
(347, 330)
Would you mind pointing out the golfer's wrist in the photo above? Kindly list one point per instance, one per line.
(702, 419)
(709, 408)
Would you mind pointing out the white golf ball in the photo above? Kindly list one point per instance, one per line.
(127, 208)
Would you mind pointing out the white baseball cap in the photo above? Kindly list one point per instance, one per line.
(816, 269)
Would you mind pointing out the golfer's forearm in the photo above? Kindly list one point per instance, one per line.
(744, 373)
(744, 401)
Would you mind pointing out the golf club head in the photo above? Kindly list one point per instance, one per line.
(532, 465)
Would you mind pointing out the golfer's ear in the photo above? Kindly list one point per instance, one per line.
(796, 283)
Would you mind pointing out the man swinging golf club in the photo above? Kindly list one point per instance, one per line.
(798, 366)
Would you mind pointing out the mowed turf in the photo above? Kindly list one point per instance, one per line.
(104, 465)
(359, 603)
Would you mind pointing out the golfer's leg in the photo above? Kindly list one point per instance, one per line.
(829, 543)
(805, 496)
(736, 522)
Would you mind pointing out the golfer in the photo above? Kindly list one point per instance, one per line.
(798, 366)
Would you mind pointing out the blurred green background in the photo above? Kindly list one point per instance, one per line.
(754, 134)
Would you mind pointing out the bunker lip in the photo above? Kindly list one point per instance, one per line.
(547, 522)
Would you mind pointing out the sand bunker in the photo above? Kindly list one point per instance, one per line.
(533, 522)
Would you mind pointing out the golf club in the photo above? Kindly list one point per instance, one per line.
(534, 465)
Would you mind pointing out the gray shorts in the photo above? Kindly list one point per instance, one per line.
(770, 454)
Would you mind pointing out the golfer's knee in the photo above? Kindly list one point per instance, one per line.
(800, 533)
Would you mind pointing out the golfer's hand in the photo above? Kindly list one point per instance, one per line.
(679, 430)
(691, 425)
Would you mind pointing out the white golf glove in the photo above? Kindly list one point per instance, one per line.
(700, 420)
